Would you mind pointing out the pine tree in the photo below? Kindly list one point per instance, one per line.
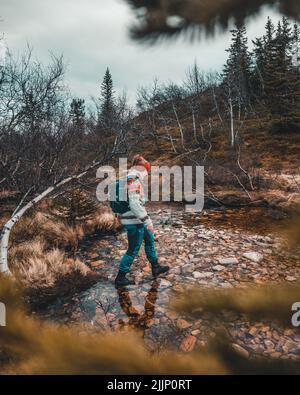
(77, 113)
(237, 71)
(74, 207)
(259, 52)
(270, 31)
(282, 84)
(107, 109)
(262, 52)
(284, 37)
(268, 40)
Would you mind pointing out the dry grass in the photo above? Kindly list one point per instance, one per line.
(37, 253)
(103, 220)
(52, 231)
(35, 267)
(57, 232)
(63, 235)
(26, 250)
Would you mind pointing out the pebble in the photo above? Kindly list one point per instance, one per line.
(197, 275)
(255, 257)
(165, 283)
(183, 324)
(228, 261)
(218, 268)
(188, 269)
(291, 278)
(188, 343)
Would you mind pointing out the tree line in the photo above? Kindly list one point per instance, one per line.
(262, 82)
(269, 74)
(46, 135)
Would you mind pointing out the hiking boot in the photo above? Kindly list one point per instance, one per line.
(122, 281)
(157, 269)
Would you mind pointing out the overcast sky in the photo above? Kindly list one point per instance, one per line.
(93, 34)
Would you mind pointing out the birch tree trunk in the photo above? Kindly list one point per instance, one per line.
(17, 215)
(232, 136)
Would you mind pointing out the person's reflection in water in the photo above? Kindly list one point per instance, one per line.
(136, 319)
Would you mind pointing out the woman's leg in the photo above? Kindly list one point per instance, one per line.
(152, 255)
(135, 234)
(150, 245)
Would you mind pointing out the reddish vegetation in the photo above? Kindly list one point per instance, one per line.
(271, 160)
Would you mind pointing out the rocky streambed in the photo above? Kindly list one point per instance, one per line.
(220, 249)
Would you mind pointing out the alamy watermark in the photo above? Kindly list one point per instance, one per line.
(2, 314)
(296, 315)
(296, 56)
(3, 55)
(178, 184)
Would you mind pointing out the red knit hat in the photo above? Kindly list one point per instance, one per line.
(139, 160)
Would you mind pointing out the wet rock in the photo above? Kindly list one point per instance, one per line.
(183, 324)
(175, 270)
(162, 260)
(165, 284)
(288, 332)
(269, 344)
(149, 323)
(291, 278)
(218, 268)
(197, 324)
(178, 288)
(289, 346)
(197, 275)
(253, 331)
(253, 256)
(188, 269)
(262, 244)
(240, 350)
(206, 274)
(228, 261)
(268, 239)
(295, 350)
(172, 315)
(203, 282)
(188, 343)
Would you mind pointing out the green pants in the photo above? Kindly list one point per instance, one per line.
(137, 234)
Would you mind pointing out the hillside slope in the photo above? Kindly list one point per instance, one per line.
(261, 168)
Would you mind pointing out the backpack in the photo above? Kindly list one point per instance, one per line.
(118, 198)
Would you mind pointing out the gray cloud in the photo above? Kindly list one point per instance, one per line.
(93, 34)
